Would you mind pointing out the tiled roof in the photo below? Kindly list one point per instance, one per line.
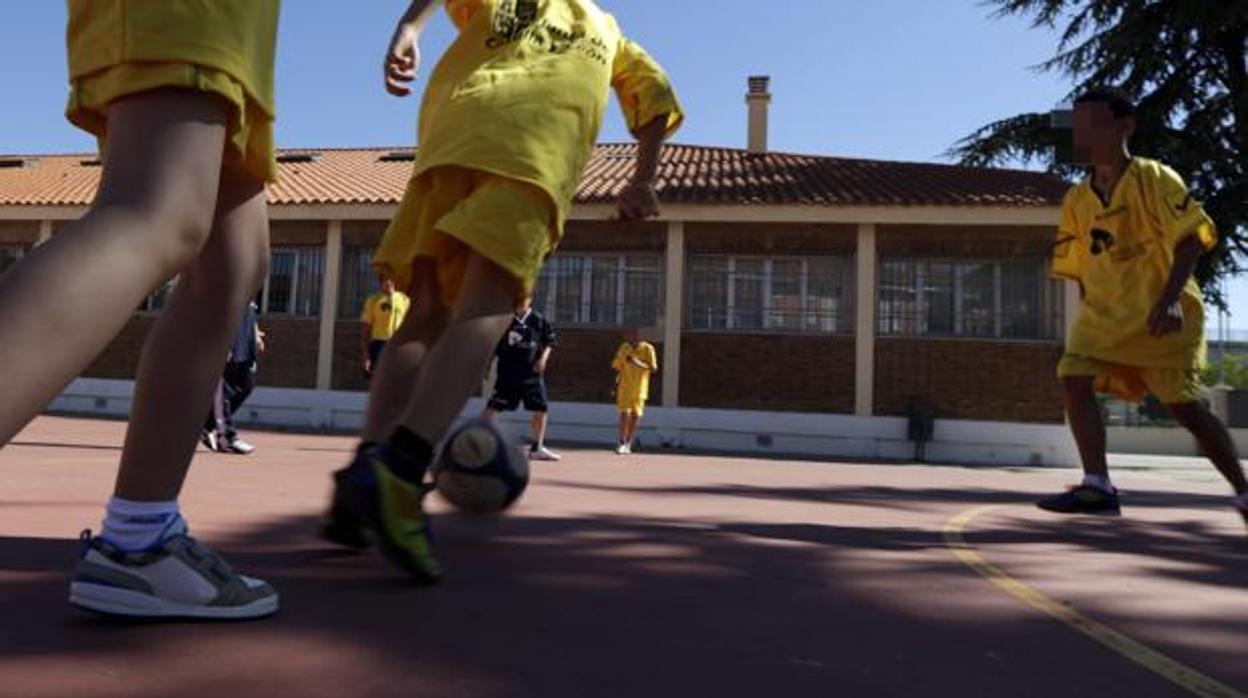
(687, 174)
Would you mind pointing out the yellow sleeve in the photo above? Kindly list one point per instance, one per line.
(405, 304)
(462, 11)
(366, 315)
(644, 90)
(1069, 248)
(652, 359)
(621, 356)
(1180, 214)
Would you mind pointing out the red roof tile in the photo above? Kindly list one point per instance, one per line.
(687, 174)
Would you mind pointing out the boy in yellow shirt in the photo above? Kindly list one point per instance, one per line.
(508, 122)
(381, 317)
(634, 361)
(180, 95)
(1130, 236)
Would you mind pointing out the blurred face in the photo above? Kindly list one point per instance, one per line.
(1098, 135)
(387, 284)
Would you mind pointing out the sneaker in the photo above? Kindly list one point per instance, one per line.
(208, 438)
(392, 511)
(238, 446)
(340, 526)
(621, 449)
(179, 578)
(543, 453)
(1082, 499)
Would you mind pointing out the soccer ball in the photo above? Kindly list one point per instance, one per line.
(478, 470)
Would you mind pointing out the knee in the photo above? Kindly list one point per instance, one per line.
(1186, 414)
(171, 233)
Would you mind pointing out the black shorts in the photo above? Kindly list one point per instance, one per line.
(508, 397)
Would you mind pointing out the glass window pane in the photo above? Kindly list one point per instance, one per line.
(311, 273)
(708, 294)
(568, 289)
(1021, 313)
(747, 282)
(938, 298)
(604, 290)
(827, 295)
(978, 286)
(359, 281)
(897, 310)
(642, 283)
(786, 295)
(281, 280)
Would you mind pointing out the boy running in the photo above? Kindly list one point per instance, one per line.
(1131, 235)
(508, 122)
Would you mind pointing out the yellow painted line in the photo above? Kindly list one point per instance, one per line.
(1177, 672)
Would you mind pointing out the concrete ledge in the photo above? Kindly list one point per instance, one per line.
(746, 432)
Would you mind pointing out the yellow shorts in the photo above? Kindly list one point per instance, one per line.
(1171, 386)
(447, 212)
(630, 403)
(249, 142)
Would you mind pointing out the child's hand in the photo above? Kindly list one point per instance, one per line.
(637, 202)
(402, 60)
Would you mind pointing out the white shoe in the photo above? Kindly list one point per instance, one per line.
(621, 449)
(238, 446)
(543, 453)
(179, 578)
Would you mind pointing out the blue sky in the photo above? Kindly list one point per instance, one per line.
(889, 79)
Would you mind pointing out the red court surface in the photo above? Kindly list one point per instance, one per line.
(650, 575)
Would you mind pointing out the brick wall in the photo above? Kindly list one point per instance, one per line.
(968, 379)
(120, 359)
(767, 372)
(309, 232)
(289, 360)
(599, 236)
(347, 366)
(770, 238)
(965, 242)
(19, 232)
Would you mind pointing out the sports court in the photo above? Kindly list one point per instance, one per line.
(659, 574)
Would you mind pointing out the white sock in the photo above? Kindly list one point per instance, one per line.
(1100, 482)
(140, 525)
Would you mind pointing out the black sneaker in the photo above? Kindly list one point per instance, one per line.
(1083, 499)
(340, 526)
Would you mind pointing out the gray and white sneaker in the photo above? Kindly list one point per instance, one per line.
(179, 578)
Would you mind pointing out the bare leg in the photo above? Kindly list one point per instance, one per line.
(462, 354)
(623, 428)
(1215, 441)
(538, 422)
(152, 214)
(182, 360)
(1086, 424)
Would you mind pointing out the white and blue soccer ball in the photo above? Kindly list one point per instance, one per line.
(479, 470)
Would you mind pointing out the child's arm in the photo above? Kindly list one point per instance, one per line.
(1167, 315)
(638, 201)
(653, 113)
(403, 57)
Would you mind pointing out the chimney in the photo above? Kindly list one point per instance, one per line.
(759, 101)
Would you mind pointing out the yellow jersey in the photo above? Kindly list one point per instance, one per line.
(634, 381)
(1121, 252)
(522, 90)
(384, 312)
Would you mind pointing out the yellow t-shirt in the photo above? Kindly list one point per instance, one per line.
(237, 37)
(634, 382)
(384, 313)
(522, 90)
(1122, 253)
